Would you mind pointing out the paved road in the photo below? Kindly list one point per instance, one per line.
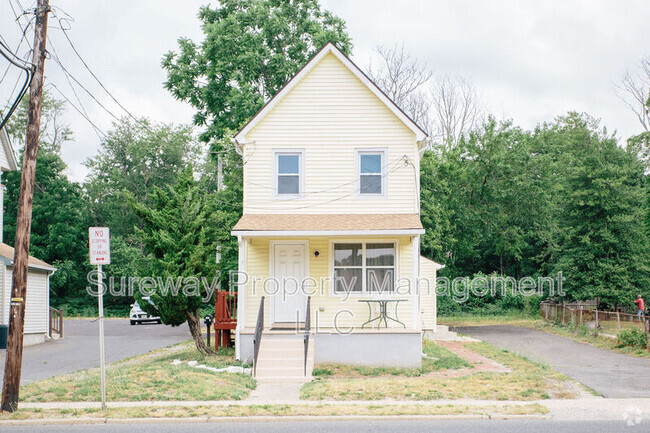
(80, 347)
(356, 426)
(608, 373)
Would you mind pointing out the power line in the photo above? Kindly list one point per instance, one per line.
(99, 131)
(74, 48)
(69, 75)
(28, 80)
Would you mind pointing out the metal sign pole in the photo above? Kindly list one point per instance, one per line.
(102, 362)
(100, 253)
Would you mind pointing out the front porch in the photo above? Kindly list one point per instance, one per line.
(365, 347)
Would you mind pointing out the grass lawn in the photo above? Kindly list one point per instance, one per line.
(445, 360)
(526, 381)
(150, 376)
(274, 410)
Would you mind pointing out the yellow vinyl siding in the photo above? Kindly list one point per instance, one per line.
(427, 293)
(319, 268)
(330, 114)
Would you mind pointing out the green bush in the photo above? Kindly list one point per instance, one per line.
(632, 337)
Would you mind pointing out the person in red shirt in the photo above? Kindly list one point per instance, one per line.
(640, 306)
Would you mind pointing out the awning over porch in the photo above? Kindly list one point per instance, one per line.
(327, 225)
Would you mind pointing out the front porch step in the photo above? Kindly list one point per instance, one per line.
(282, 358)
(442, 334)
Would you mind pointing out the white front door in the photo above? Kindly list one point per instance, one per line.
(289, 270)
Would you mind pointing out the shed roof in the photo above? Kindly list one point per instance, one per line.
(7, 253)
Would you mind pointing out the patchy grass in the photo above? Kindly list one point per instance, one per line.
(601, 342)
(150, 376)
(444, 360)
(273, 410)
(589, 338)
(526, 381)
(511, 318)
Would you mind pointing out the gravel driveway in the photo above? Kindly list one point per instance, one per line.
(608, 373)
(80, 348)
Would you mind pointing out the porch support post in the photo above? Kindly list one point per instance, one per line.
(415, 289)
(241, 295)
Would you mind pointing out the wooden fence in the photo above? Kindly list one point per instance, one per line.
(582, 315)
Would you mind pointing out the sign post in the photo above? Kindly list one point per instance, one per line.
(100, 254)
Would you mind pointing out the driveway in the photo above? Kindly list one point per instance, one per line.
(80, 348)
(608, 373)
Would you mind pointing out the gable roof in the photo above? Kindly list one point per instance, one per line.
(420, 135)
(8, 150)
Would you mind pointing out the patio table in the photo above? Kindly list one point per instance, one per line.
(383, 312)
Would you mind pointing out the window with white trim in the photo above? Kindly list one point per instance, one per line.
(288, 173)
(371, 172)
(364, 267)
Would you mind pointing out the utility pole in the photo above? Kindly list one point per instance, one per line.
(13, 364)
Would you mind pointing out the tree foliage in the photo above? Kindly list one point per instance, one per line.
(251, 49)
(178, 235)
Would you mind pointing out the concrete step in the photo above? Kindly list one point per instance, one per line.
(284, 358)
(442, 334)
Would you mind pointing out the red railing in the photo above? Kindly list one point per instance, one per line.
(225, 317)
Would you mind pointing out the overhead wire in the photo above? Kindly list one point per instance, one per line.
(97, 129)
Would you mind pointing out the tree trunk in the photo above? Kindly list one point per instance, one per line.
(194, 322)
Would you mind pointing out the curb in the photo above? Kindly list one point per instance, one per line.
(224, 419)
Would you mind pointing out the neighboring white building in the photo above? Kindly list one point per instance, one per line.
(37, 308)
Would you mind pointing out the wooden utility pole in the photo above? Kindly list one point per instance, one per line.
(13, 364)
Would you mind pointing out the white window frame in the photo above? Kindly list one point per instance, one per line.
(301, 173)
(371, 151)
(364, 288)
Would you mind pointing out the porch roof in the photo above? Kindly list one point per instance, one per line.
(327, 225)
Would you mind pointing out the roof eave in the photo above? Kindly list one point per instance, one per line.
(326, 233)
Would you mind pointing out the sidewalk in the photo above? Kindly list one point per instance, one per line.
(590, 408)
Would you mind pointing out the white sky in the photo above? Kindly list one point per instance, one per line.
(530, 60)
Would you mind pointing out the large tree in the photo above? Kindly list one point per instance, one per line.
(135, 157)
(604, 246)
(178, 233)
(250, 50)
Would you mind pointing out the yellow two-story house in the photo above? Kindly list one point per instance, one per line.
(329, 241)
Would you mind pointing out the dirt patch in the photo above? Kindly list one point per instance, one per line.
(479, 362)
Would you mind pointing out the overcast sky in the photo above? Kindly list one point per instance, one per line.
(530, 60)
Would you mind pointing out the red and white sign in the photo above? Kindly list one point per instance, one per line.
(100, 245)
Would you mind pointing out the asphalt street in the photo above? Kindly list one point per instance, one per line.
(356, 426)
(609, 373)
(80, 348)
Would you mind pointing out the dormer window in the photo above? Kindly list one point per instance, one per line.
(289, 173)
(371, 176)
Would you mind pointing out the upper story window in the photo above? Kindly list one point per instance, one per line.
(289, 173)
(371, 174)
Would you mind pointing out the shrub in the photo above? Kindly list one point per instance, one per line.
(632, 337)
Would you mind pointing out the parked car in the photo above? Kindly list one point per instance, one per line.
(138, 316)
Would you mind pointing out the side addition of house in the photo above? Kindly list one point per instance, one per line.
(331, 222)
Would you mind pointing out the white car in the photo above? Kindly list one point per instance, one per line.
(137, 315)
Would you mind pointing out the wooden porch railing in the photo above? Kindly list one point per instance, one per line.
(56, 322)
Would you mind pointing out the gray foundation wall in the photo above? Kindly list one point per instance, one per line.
(374, 350)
